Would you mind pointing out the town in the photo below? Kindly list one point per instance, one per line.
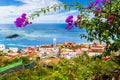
(46, 55)
(64, 50)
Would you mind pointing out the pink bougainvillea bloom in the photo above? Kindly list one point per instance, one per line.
(21, 21)
(70, 23)
(69, 26)
(111, 16)
(110, 21)
(25, 23)
(91, 4)
(97, 2)
(98, 9)
(23, 15)
(78, 16)
(69, 19)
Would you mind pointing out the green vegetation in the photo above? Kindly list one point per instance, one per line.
(80, 68)
(2, 54)
(7, 62)
(10, 66)
(104, 25)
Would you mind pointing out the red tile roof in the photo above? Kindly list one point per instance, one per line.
(55, 60)
(95, 50)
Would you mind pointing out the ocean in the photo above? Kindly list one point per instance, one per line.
(39, 34)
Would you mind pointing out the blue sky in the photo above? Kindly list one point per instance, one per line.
(10, 9)
(10, 2)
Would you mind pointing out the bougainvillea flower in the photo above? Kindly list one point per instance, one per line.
(23, 15)
(69, 19)
(21, 21)
(70, 23)
(110, 21)
(98, 9)
(97, 2)
(69, 26)
(91, 4)
(111, 16)
(78, 16)
(26, 23)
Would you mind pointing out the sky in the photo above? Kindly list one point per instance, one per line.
(11, 9)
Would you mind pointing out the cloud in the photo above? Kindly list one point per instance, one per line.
(40, 2)
(9, 13)
(57, 18)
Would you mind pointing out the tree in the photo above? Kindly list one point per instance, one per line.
(101, 20)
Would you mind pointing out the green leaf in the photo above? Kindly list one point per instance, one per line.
(44, 11)
(54, 9)
(65, 7)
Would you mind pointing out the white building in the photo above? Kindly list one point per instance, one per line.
(96, 49)
(94, 53)
(2, 47)
(84, 49)
(54, 43)
(6, 50)
(13, 49)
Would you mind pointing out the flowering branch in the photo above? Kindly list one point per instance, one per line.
(24, 19)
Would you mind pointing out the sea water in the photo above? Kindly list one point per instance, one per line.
(39, 34)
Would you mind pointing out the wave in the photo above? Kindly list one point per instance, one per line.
(19, 45)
